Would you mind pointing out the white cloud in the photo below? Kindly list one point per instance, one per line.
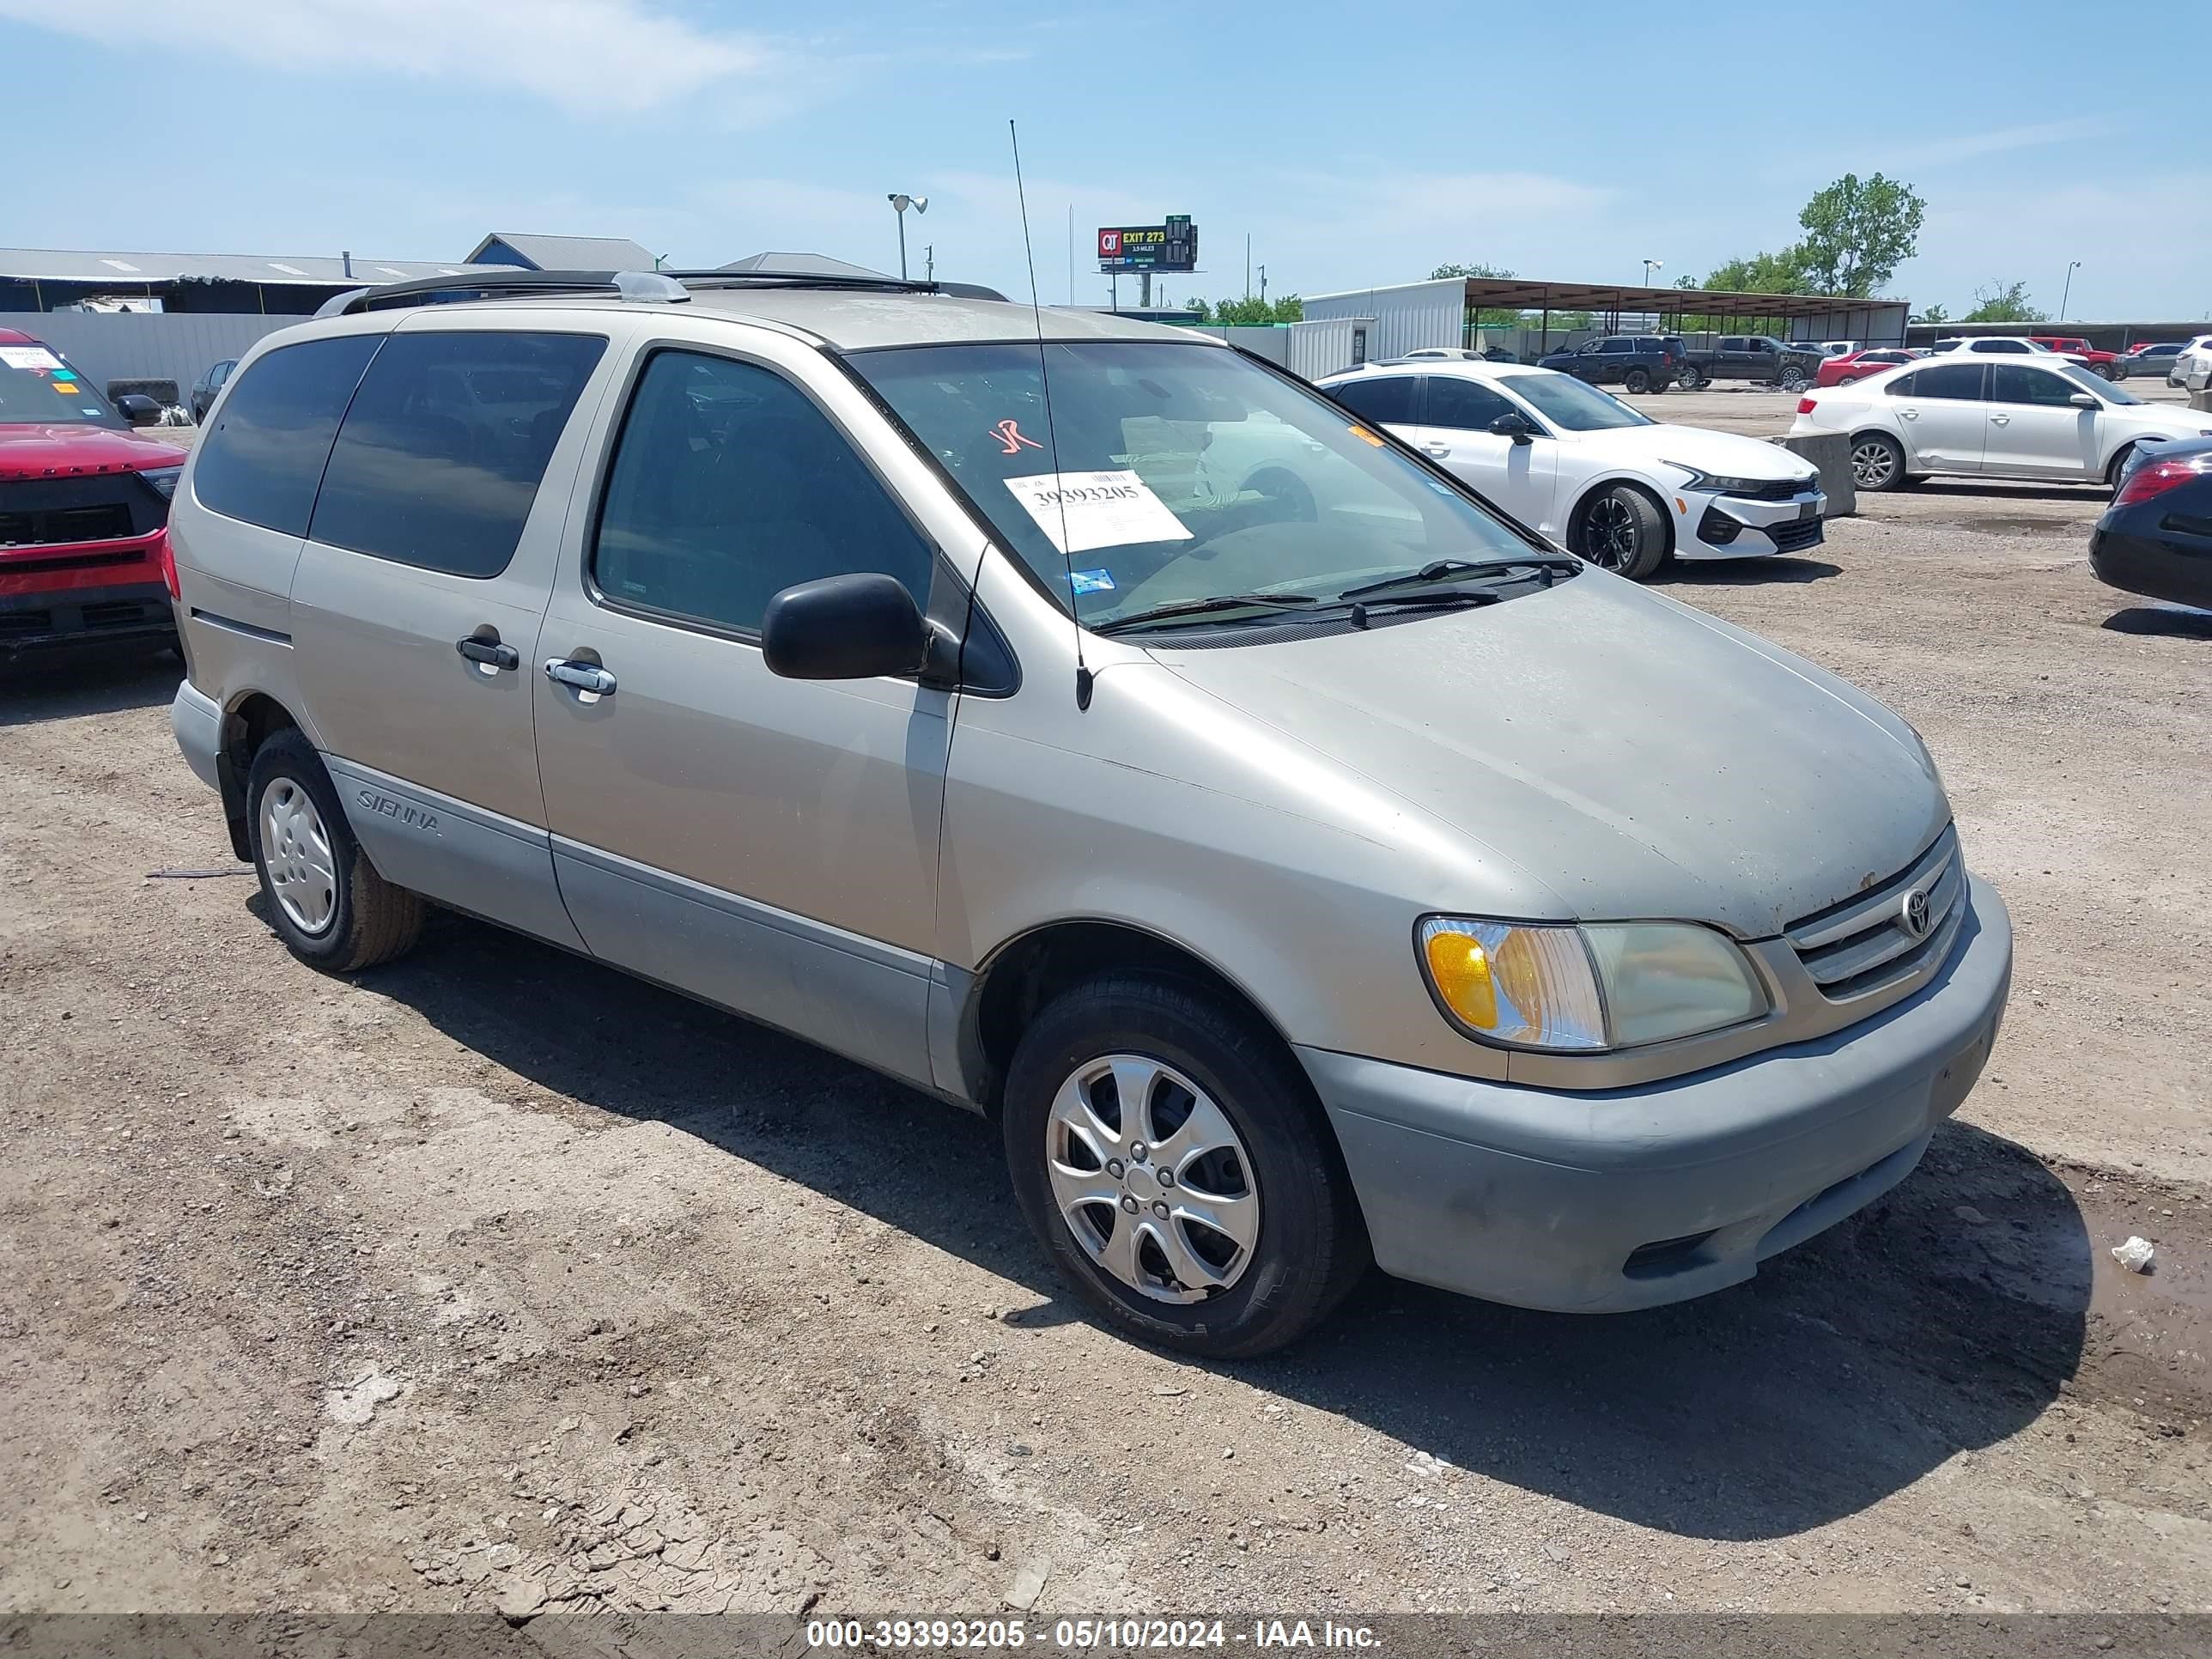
(586, 55)
(1997, 140)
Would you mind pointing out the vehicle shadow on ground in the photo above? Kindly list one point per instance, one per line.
(65, 687)
(1946, 1318)
(2085, 495)
(1744, 572)
(2176, 621)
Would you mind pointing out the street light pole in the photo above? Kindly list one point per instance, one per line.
(1650, 265)
(2072, 265)
(901, 202)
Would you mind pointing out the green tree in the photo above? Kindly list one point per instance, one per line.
(2004, 304)
(1938, 315)
(1287, 309)
(1764, 273)
(1484, 316)
(1857, 232)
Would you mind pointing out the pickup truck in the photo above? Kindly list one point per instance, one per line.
(1752, 357)
(2097, 362)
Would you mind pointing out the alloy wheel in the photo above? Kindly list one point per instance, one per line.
(1151, 1179)
(1873, 462)
(1610, 534)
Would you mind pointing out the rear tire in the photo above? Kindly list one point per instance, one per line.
(1620, 529)
(1308, 1247)
(325, 899)
(1637, 381)
(1877, 462)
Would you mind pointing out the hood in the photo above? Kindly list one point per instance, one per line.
(64, 451)
(1637, 758)
(1730, 454)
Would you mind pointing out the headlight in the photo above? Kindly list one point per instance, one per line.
(1569, 989)
(164, 479)
(1721, 484)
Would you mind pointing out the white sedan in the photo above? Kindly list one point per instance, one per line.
(1587, 471)
(1990, 418)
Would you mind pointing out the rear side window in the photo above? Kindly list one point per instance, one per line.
(442, 452)
(266, 456)
(1960, 380)
(1386, 399)
(727, 486)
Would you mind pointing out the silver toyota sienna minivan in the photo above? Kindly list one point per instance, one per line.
(1103, 730)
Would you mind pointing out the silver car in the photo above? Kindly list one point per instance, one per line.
(1303, 863)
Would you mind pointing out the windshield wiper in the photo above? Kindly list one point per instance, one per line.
(1442, 568)
(1448, 599)
(1200, 607)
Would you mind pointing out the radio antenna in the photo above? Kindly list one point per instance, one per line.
(1082, 675)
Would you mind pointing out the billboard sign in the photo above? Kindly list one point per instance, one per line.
(1172, 245)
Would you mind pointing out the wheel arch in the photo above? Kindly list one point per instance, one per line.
(1019, 976)
(248, 721)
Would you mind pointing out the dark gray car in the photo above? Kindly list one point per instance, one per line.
(204, 388)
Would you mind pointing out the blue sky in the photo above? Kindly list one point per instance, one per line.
(1356, 144)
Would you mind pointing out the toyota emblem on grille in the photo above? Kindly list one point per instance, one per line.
(1912, 914)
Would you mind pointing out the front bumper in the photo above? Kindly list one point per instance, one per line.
(34, 618)
(1630, 1198)
(1712, 527)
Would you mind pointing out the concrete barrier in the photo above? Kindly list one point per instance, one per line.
(1831, 452)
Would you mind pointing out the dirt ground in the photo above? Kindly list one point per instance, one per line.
(496, 1277)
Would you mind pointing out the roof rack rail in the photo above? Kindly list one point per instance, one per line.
(667, 286)
(641, 285)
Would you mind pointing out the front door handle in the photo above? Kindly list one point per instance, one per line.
(1436, 452)
(488, 654)
(1999, 420)
(589, 681)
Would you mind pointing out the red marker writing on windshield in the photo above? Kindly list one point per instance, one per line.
(1011, 436)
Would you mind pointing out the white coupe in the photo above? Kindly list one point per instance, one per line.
(2016, 417)
(1587, 471)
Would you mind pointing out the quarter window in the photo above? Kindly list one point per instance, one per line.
(1387, 400)
(266, 456)
(442, 454)
(729, 485)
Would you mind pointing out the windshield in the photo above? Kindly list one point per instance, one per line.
(1185, 473)
(1571, 405)
(37, 388)
(2110, 390)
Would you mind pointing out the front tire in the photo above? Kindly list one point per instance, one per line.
(1687, 380)
(1620, 530)
(325, 899)
(1171, 1158)
(2116, 465)
(1877, 462)
(1792, 379)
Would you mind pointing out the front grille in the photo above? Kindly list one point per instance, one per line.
(1863, 943)
(1775, 489)
(98, 508)
(1794, 536)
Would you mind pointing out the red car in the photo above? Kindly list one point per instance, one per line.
(1857, 365)
(2096, 361)
(84, 507)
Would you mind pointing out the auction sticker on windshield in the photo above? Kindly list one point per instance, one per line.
(1083, 510)
(31, 357)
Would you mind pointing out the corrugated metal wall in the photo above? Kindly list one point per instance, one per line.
(167, 345)
(1406, 317)
(1321, 345)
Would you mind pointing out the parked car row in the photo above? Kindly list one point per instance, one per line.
(1638, 363)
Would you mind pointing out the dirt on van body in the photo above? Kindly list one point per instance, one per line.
(494, 1279)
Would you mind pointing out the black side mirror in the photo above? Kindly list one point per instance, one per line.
(844, 627)
(138, 409)
(1513, 426)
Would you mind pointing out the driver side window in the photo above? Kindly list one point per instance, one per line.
(729, 485)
